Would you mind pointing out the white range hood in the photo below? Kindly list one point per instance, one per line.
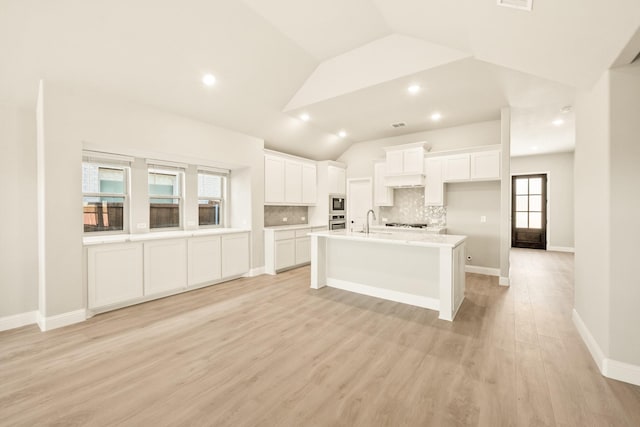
(405, 165)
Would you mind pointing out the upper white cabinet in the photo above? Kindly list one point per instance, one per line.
(485, 165)
(289, 181)
(382, 195)
(433, 188)
(337, 180)
(405, 165)
(456, 168)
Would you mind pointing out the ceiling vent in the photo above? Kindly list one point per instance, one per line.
(517, 4)
(398, 125)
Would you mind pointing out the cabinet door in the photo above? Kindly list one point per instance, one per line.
(235, 255)
(309, 184)
(204, 260)
(114, 273)
(293, 182)
(434, 187)
(165, 266)
(273, 179)
(285, 253)
(485, 165)
(382, 195)
(413, 161)
(303, 250)
(456, 168)
(395, 162)
(337, 180)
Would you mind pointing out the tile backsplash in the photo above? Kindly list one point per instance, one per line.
(408, 207)
(274, 215)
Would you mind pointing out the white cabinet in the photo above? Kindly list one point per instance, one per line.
(337, 180)
(287, 248)
(434, 187)
(285, 253)
(273, 179)
(303, 250)
(405, 165)
(456, 168)
(204, 258)
(288, 181)
(485, 165)
(235, 254)
(413, 160)
(309, 184)
(395, 162)
(165, 266)
(114, 274)
(382, 195)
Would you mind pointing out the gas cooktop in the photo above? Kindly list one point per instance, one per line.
(401, 225)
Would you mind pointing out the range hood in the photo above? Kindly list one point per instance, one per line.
(404, 180)
(405, 165)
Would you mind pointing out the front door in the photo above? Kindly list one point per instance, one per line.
(529, 211)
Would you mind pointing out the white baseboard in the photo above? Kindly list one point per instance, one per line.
(60, 320)
(372, 291)
(18, 320)
(503, 281)
(489, 271)
(610, 368)
(560, 249)
(255, 272)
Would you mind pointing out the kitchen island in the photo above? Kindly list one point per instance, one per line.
(425, 270)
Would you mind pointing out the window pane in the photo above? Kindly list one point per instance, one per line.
(90, 178)
(103, 213)
(163, 184)
(209, 186)
(535, 186)
(521, 220)
(100, 179)
(164, 213)
(521, 203)
(209, 212)
(522, 185)
(535, 220)
(535, 203)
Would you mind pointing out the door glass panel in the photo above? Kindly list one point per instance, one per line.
(522, 186)
(535, 220)
(521, 220)
(535, 203)
(535, 186)
(521, 203)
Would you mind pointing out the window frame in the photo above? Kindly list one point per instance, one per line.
(180, 177)
(110, 163)
(221, 200)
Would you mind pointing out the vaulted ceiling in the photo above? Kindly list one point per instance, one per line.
(346, 63)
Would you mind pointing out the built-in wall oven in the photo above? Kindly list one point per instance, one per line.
(337, 204)
(337, 222)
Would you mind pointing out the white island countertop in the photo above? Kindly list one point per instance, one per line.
(397, 238)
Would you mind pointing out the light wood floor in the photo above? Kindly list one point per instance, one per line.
(270, 351)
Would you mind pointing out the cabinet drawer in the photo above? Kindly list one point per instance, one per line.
(303, 232)
(285, 234)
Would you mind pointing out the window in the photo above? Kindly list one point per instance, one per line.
(165, 197)
(104, 196)
(211, 192)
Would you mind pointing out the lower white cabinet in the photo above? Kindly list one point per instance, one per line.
(235, 255)
(165, 266)
(285, 253)
(114, 273)
(205, 263)
(303, 250)
(286, 248)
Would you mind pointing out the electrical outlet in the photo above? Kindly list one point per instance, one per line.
(141, 225)
(285, 219)
(483, 218)
(385, 220)
(191, 223)
(302, 218)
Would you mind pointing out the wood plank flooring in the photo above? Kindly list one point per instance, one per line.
(270, 351)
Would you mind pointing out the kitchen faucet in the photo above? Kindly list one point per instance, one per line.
(374, 217)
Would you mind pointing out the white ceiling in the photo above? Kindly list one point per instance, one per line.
(265, 53)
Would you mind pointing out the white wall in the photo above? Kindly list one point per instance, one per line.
(18, 232)
(71, 122)
(559, 167)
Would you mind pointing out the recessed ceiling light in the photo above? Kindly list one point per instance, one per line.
(304, 117)
(413, 89)
(436, 116)
(558, 122)
(565, 109)
(342, 134)
(534, 148)
(209, 79)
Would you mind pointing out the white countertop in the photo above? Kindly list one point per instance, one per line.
(294, 227)
(429, 229)
(158, 235)
(397, 238)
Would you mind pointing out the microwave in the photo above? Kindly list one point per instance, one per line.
(337, 204)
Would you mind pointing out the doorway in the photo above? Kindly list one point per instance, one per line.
(359, 201)
(529, 211)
